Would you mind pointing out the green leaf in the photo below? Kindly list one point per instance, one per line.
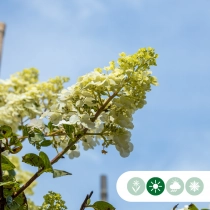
(8, 178)
(20, 202)
(47, 164)
(31, 133)
(102, 205)
(25, 130)
(59, 173)
(33, 160)
(6, 131)
(73, 147)
(12, 172)
(36, 130)
(37, 137)
(17, 143)
(68, 129)
(192, 207)
(88, 201)
(6, 164)
(9, 200)
(6, 183)
(13, 140)
(46, 143)
(11, 204)
(50, 126)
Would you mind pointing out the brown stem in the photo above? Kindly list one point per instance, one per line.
(60, 155)
(2, 199)
(84, 204)
(104, 106)
(175, 207)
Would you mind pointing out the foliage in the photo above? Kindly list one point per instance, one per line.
(53, 201)
(98, 108)
(188, 207)
(22, 176)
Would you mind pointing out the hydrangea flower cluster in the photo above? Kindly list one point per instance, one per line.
(22, 97)
(101, 104)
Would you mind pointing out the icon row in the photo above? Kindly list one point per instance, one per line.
(174, 186)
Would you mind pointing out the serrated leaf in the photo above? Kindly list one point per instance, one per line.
(6, 131)
(46, 143)
(47, 164)
(33, 160)
(6, 164)
(59, 173)
(102, 205)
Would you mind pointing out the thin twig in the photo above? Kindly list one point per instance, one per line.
(175, 207)
(84, 204)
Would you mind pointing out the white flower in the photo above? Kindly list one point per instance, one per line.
(88, 101)
(74, 153)
(125, 151)
(89, 143)
(86, 122)
(73, 120)
(36, 123)
(103, 116)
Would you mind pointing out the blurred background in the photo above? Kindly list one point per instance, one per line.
(71, 38)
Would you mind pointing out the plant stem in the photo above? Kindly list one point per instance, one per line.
(84, 204)
(175, 207)
(2, 199)
(60, 155)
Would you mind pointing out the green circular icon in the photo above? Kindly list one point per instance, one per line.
(155, 186)
(194, 186)
(136, 186)
(175, 186)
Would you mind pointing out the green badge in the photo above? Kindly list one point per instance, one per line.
(175, 186)
(136, 186)
(155, 186)
(194, 186)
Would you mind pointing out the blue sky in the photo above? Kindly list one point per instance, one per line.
(71, 38)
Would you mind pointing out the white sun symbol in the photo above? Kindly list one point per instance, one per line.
(194, 186)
